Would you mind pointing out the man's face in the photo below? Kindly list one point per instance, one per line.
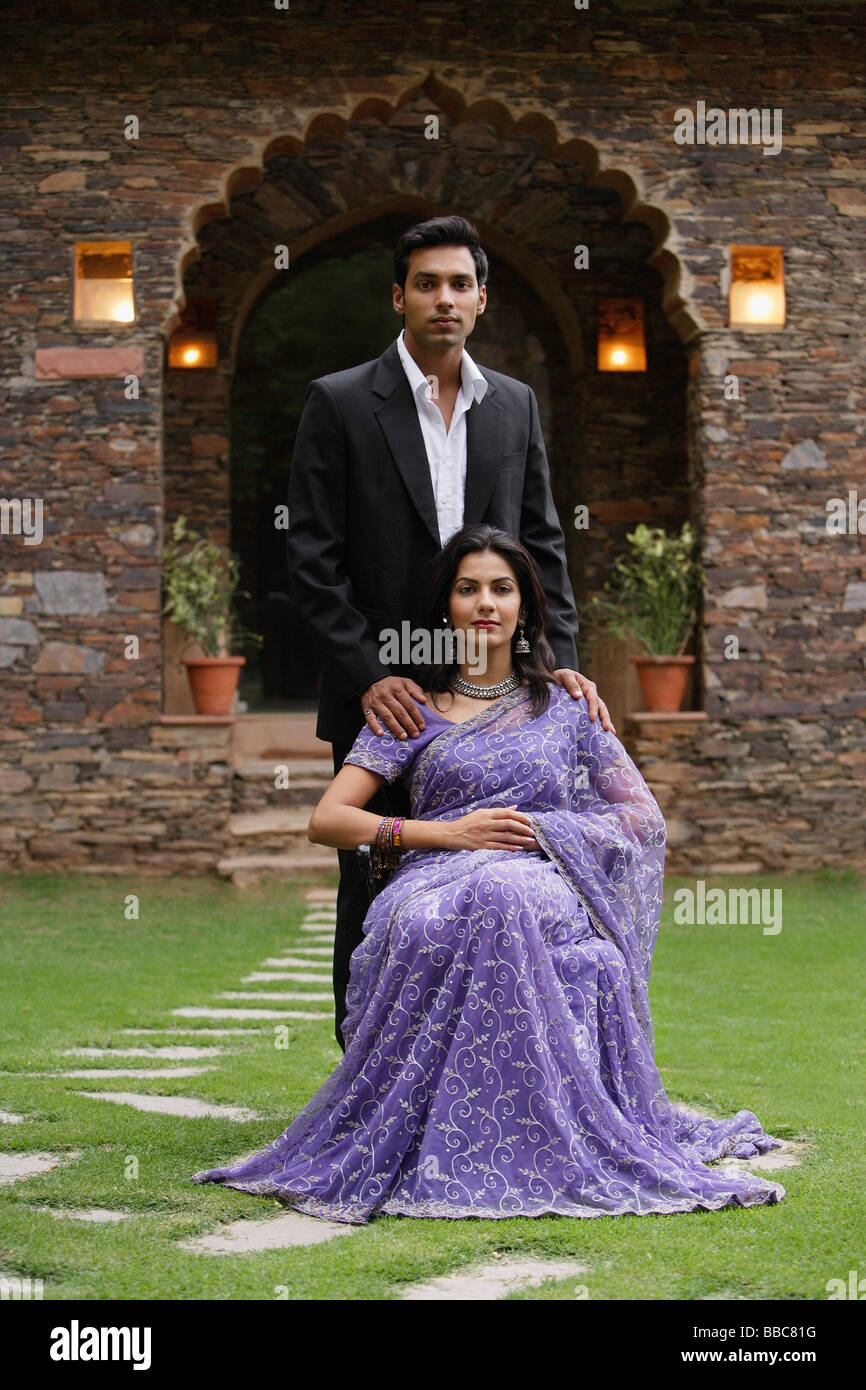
(442, 299)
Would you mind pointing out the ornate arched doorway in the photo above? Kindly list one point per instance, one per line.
(338, 200)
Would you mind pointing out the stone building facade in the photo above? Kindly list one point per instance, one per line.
(308, 126)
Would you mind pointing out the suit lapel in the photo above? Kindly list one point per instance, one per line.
(398, 419)
(483, 452)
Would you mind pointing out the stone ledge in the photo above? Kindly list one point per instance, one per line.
(693, 716)
(197, 719)
(70, 363)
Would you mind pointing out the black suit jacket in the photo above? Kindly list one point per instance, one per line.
(363, 530)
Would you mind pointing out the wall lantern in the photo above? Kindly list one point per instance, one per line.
(621, 346)
(194, 342)
(103, 282)
(757, 296)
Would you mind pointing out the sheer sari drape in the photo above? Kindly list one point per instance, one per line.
(499, 1044)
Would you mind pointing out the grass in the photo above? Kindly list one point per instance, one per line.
(771, 1024)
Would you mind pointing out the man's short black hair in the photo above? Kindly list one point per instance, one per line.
(439, 231)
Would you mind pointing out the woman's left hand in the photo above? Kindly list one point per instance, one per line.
(578, 685)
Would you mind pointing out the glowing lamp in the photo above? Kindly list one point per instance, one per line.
(757, 295)
(103, 282)
(621, 345)
(192, 349)
(193, 344)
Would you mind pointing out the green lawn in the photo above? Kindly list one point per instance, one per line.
(743, 1021)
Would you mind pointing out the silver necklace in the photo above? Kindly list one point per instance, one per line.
(484, 692)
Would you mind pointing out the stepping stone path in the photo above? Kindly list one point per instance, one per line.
(194, 1012)
(322, 914)
(194, 1032)
(187, 1106)
(298, 963)
(16, 1167)
(97, 1214)
(265, 977)
(285, 997)
(106, 1073)
(271, 1233)
(283, 962)
(312, 951)
(171, 1054)
(491, 1281)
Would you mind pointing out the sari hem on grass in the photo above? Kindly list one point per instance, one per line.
(499, 1045)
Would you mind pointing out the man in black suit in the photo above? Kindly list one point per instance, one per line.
(391, 458)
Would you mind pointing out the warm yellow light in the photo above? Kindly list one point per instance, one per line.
(757, 294)
(103, 282)
(192, 349)
(621, 336)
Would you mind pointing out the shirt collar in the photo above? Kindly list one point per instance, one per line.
(473, 381)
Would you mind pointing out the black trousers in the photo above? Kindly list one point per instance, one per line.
(392, 799)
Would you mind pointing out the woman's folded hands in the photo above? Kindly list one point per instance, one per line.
(495, 827)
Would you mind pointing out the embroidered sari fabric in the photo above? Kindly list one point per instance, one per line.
(499, 1045)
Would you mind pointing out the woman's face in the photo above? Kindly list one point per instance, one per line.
(485, 588)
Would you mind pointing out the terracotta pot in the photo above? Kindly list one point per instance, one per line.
(663, 681)
(213, 681)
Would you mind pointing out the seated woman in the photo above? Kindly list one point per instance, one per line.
(499, 1047)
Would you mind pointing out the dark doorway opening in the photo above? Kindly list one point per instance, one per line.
(333, 310)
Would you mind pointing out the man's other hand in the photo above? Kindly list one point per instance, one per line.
(391, 701)
(578, 685)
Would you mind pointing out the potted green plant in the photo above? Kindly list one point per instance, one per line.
(199, 583)
(652, 602)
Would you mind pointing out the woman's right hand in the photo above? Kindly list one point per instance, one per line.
(500, 827)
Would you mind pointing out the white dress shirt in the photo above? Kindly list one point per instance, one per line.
(446, 449)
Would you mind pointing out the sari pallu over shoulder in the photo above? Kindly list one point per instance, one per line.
(599, 822)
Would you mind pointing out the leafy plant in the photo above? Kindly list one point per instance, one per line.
(199, 582)
(653, 598)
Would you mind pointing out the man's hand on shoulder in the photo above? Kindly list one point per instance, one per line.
(578, 685)
(391, 701)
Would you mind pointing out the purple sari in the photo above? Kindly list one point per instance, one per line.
(499, 1046)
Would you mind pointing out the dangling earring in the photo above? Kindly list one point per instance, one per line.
(522, 646)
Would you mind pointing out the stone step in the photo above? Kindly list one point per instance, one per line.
(271, 829)
(252, 787)
(313, 861)
(287, 733)
(315, 771)
(292, 821)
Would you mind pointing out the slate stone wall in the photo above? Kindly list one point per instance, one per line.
(258, 125)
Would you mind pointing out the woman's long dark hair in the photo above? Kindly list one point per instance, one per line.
(537, 665)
